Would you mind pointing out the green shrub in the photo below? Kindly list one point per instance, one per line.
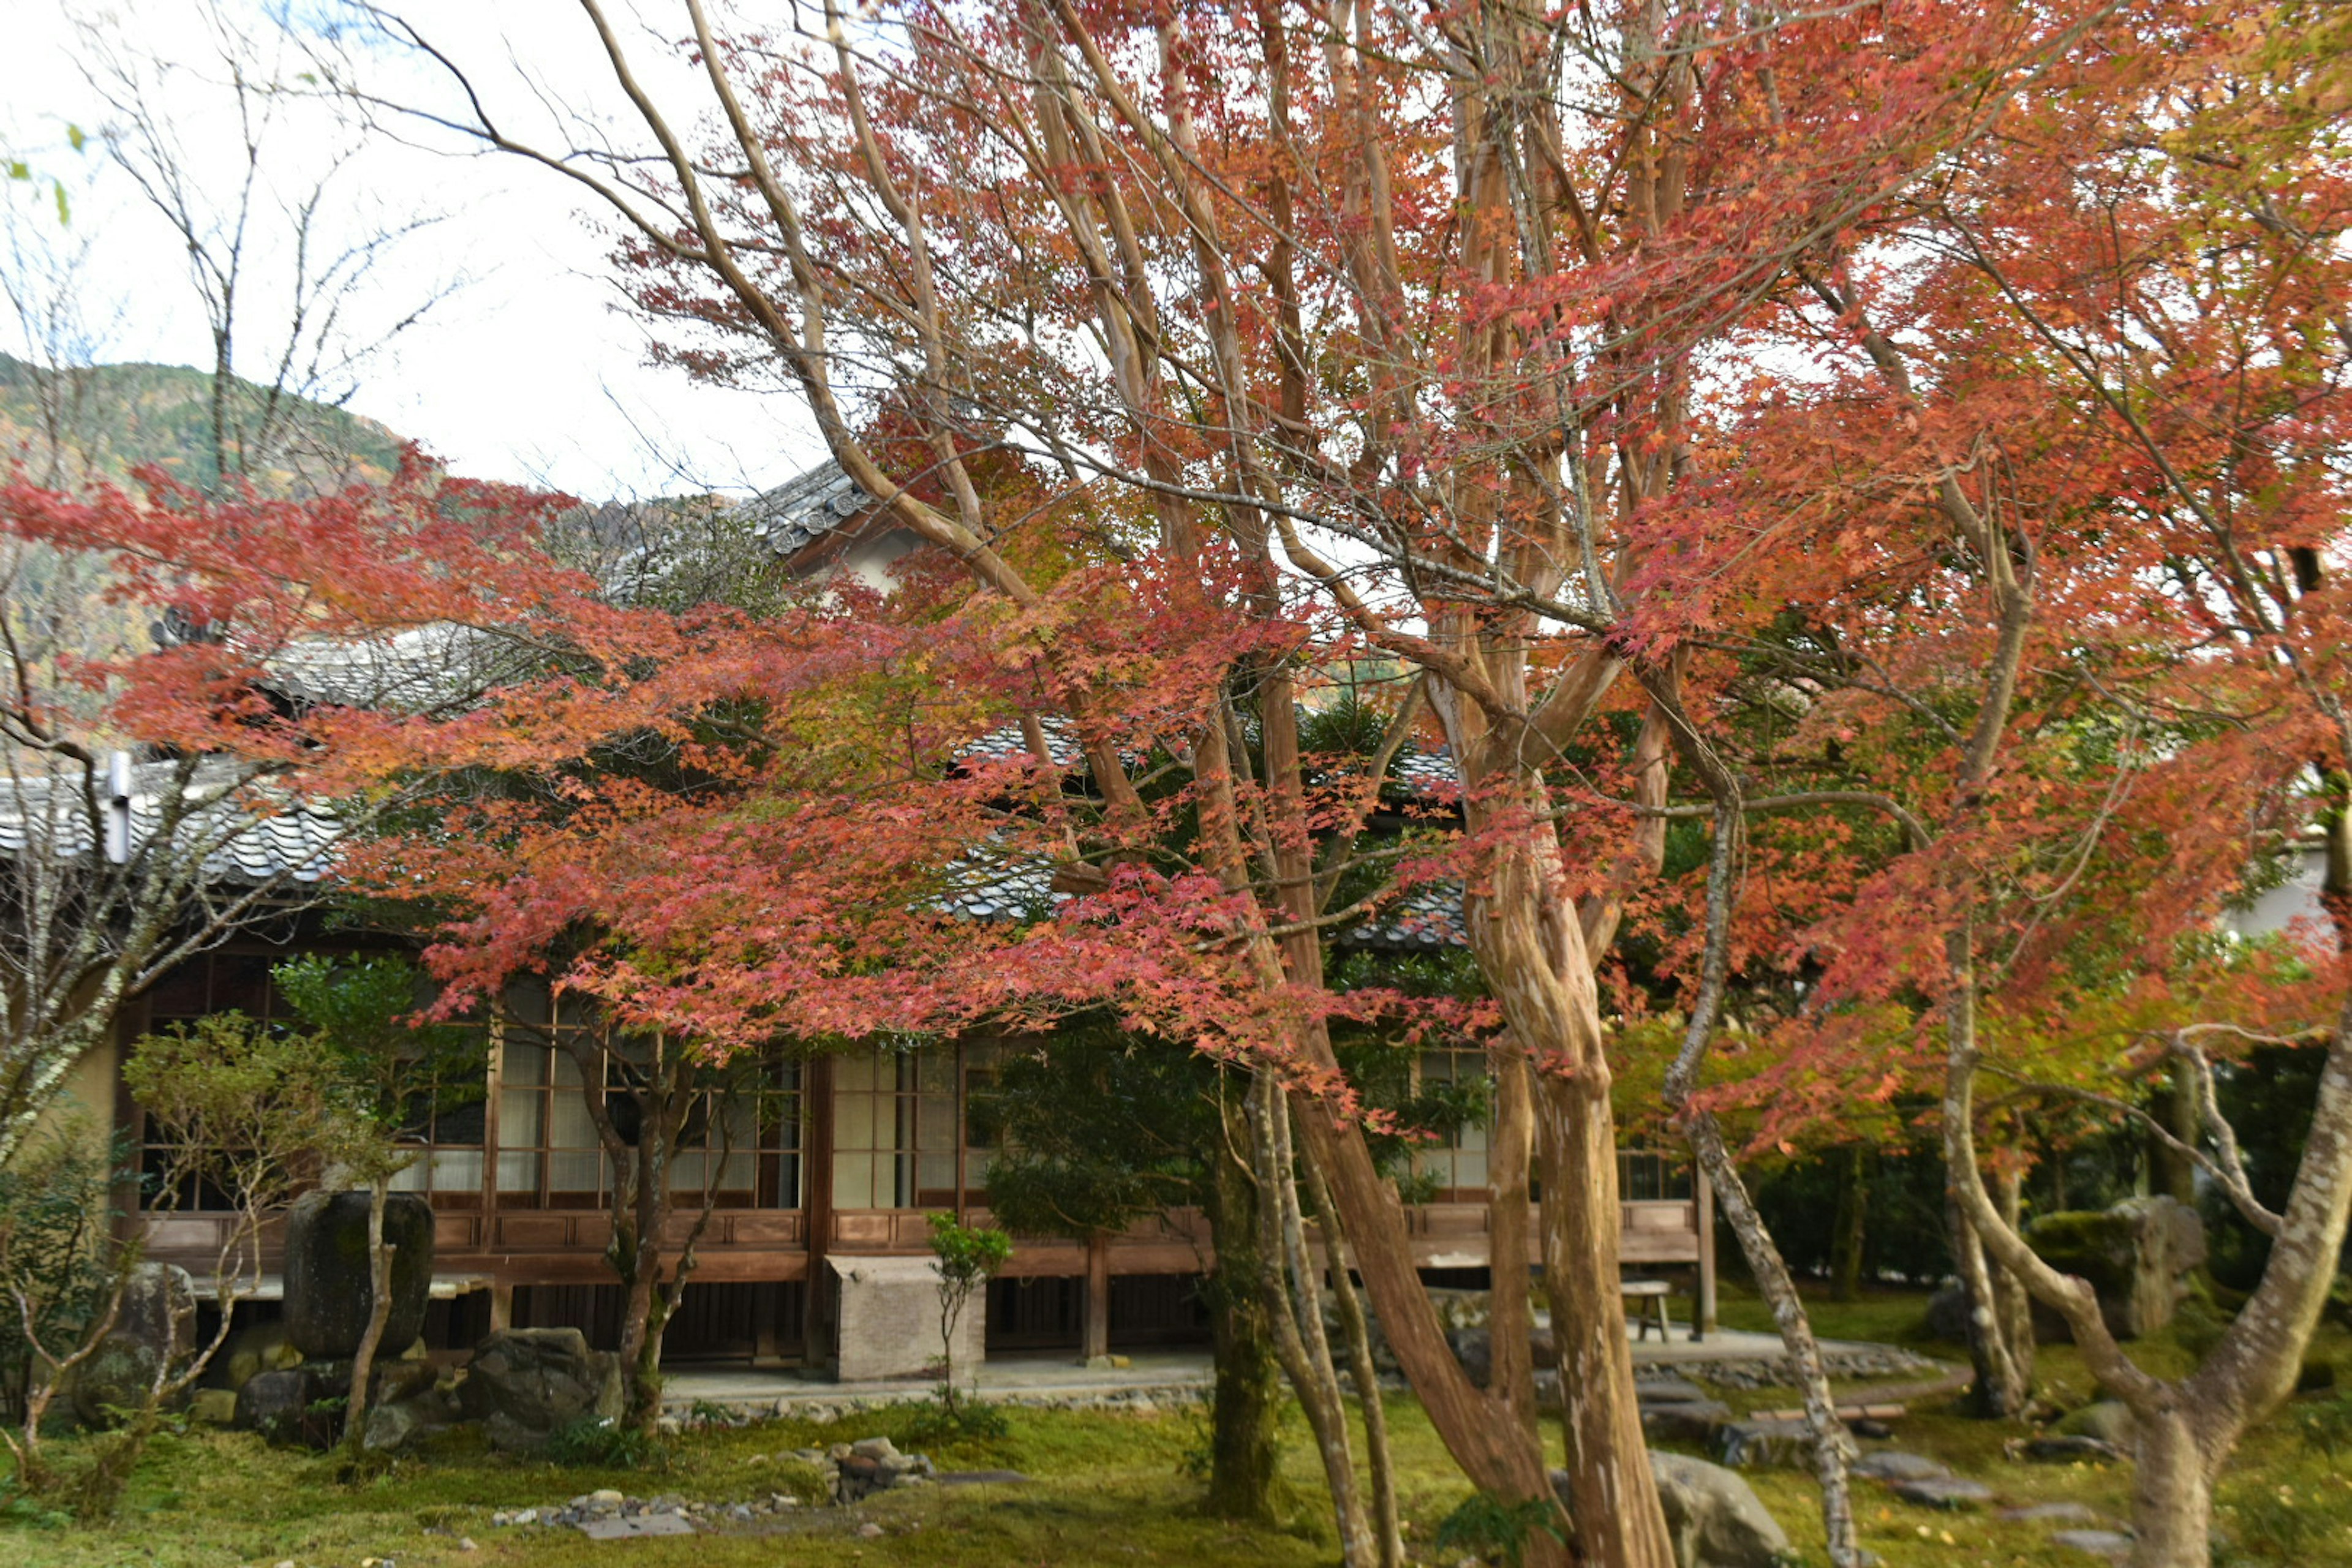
(934, 1423)
(600, 1442)
(1497, 1531)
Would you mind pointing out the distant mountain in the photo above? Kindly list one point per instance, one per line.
(100, 422)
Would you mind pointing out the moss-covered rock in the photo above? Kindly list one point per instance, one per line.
(328, 1290)
(2138, 1256)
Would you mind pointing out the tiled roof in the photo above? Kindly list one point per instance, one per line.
(247, 836)
(983, 887)
(1426, 918)
(1423, 769)
(417, 670)
(801, 511)
(1006, 743)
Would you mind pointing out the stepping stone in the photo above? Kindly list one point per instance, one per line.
(1891, 1465)
(1669, 1391)
(1693, 1422)
(2113, 1545)
(2053, 1514)
(639, 1525)
(1949, 1492)
(1765, 1445)
(2069, 1449)
(977, 1477)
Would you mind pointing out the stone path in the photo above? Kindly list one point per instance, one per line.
(1930, 1483)
(1163, 1377)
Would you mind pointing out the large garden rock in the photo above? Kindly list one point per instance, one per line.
(155, 1326)
(402, 1422)
(1474, 1348)
(283, 1407)
(390, 1379)
(1947, 1313)
(2109, 1421)
(2136, 1255)
(524, 1384)
(1713, 1515)
(252, 1350)
(329, 1292)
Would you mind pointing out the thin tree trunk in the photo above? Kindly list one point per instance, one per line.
(1850, 1229)
(2012, 1303)
(1832, 1446)
(641, 1347)
(33, 1469)
(1297, 1311)
(1389, 1536)
(2000, 1391)
(1495, 1452)
(355, 1414)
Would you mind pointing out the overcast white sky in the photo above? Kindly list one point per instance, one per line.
(528, 372)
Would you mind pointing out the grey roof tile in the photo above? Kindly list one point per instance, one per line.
(802, 510)
(249, 833)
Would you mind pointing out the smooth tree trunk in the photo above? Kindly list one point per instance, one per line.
(2003, 1386)
(635, 1253)
(2012, 1303)
(355, 1414)
(1296, 1307)
(653, 1278)
(1388, 1531)
(2172, 1491)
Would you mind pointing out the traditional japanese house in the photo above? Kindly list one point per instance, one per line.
(822, 1164)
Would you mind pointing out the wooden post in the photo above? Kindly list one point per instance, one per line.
(1097, 1329)
(816, 1206)
(494, 1084)
(502, 1308)
(1702, 1308)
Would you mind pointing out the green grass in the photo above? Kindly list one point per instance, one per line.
(1106, 1489)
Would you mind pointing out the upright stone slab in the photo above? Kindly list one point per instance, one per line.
(156, 1325)
(329, 1292)
(2136, 1255)
(889, 1321)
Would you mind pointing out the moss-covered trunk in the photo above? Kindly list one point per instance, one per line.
(1246, 1406)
